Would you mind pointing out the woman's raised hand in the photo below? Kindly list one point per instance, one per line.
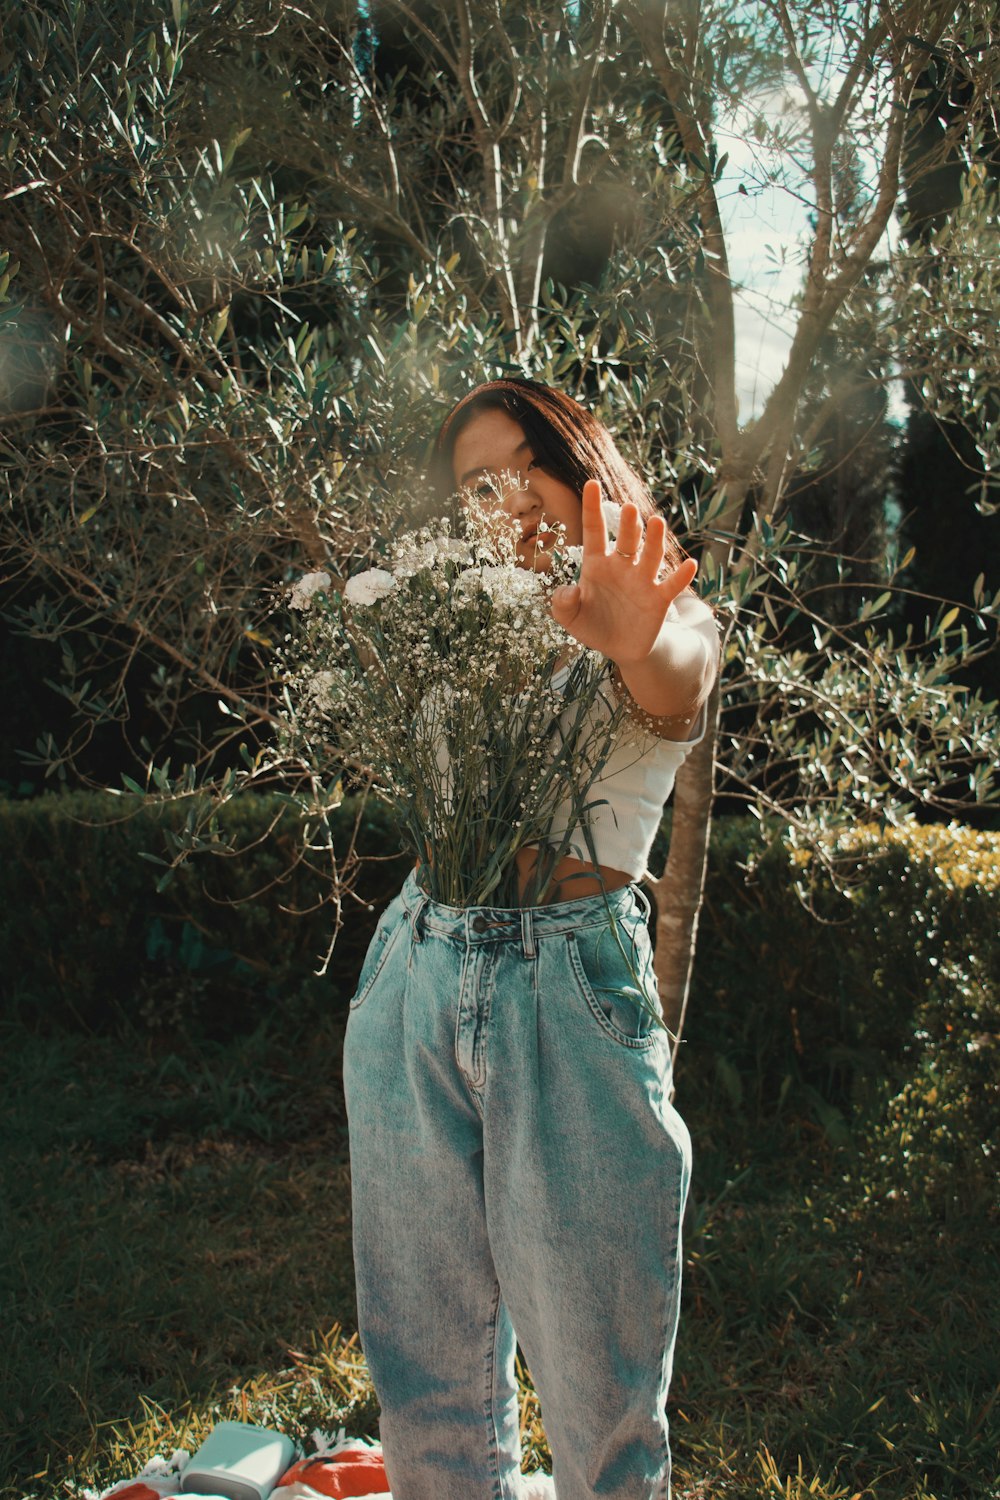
(618, 606)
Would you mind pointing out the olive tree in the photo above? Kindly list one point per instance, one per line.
(250, 264)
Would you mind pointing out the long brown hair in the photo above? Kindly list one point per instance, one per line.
(567, 440)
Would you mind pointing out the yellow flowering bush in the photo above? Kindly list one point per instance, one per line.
(958, 856)
(875, 1015)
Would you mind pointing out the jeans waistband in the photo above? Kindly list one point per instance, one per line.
(490, 924)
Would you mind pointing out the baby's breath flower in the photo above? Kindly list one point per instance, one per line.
(512, 587)
(308, 585)
(444, 678)
(324, 685)
(369, 587)
(573, 557)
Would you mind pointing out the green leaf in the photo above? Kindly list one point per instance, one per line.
(235, 142)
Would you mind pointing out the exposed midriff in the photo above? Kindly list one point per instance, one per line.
(571, 879)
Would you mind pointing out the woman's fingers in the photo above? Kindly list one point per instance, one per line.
(565, 604)
(651, 560)
(641, 547)
(595, 531)
(628, 542)
(678, 580)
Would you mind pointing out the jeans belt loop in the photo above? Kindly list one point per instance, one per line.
(644, 899)
(416, 914)
(528, 933)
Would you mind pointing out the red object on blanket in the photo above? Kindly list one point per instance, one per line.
(353, 1470)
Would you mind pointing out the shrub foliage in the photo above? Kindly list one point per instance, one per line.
(877, 1025)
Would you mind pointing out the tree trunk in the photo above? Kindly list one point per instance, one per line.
(679, 890)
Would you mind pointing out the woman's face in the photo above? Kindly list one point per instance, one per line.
(493, 461)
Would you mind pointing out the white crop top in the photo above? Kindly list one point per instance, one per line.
(637, 778)
(633, 788)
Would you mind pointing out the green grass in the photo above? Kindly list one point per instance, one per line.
(176, 1220)
(176, 1229)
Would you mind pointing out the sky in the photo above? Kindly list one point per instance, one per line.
(773, 215)
(757, 226)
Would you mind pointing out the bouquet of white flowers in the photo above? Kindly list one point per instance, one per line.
(443, 676)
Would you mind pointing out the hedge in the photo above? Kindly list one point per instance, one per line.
(878, 1017)
(86, 938)
(884, 1008)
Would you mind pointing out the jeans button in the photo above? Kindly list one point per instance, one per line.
(479, 924)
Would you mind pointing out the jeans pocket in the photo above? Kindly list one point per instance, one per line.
(390, 924)
(613, 970)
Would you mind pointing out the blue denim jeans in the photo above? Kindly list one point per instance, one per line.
(518, 1175)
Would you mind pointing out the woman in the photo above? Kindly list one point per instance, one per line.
(518, 1171)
